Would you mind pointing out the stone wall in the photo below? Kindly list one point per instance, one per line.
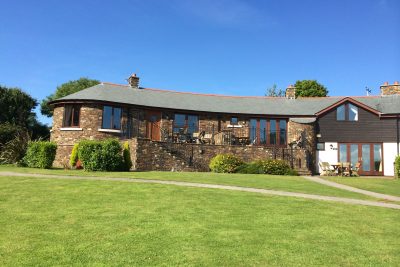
(308, 137)
(90, 122)
(150, 155)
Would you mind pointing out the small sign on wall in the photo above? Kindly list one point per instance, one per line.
(333, 146)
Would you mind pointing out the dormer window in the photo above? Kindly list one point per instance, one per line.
(347, 112)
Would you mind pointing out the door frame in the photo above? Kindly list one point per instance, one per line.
(153, 129)
(372, 172)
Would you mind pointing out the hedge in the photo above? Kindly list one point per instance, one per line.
(269, 166)
(40, 154)
(107, 155)
(397, 167)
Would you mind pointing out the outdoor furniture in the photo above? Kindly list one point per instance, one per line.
(326, 169)
(337, 168)
(355, 169)
(346, 170)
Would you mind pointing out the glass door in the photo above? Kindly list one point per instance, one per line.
(368, 154)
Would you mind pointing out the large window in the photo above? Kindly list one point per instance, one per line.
(268, 132)
(71, 116)
(186, 122)
(111, 118)
(347, 112)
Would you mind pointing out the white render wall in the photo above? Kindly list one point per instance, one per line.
(330, 154)
(389, 154)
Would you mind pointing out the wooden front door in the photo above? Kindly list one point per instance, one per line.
(368, 154)
(153, 126)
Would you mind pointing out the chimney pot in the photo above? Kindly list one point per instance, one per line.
(396, 83)
(386, 83)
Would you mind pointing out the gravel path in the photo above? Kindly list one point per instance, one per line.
(225, 187)
(352, 189)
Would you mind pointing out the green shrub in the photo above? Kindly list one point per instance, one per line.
(101, 155)
(74, 156)
(397, 166)
(40, 154)
(270, 166)
(225, 163)
(127, 156)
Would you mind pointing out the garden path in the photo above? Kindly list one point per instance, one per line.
(213, 186)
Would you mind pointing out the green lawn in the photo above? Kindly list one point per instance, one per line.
(284, 183)
(379, 185)
(47, 222)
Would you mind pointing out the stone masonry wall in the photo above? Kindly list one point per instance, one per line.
(149, 155)
(307, 133)
(90, 122)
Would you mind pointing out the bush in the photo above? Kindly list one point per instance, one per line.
(397, 166)
(40, 154)
(14, 150)
(225, 163)
(74, 156)
(270, 166)
(127, 156)
(101, 155)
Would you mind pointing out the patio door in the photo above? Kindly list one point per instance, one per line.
(368, 154)
(153, 130)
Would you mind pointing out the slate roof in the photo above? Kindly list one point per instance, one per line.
(223, 104)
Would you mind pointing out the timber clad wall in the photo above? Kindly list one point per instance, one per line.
(368, 128)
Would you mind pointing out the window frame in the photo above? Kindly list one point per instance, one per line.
(267, 141)
(73, 107)
(347, 110)
(112, 119)
(186, 122)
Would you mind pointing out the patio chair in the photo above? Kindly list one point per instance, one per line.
(355, 169)
(326, 169)
(346, 170)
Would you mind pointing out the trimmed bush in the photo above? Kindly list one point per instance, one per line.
(40, 154)
(127, 156)
(397, 167)
(270, 166)
(225, 163)
(101, 155)
(74, 156)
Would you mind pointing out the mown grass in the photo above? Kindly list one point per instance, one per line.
(47, 222)
(276, 182)
(379, 185)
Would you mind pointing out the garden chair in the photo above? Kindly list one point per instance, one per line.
(346, 170)
(355, 169)
(326, 169)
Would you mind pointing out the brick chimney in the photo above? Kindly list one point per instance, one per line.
(291, 92)
(133, 81)
(390, 89)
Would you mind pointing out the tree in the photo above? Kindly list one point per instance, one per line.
(274, 91)
(64, 90)
(15, 106)
(18, 124)
(310, 88)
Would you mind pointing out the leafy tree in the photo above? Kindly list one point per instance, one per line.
(64, 90)
(15, 106)
(18, 124)
(310, 88)
(274, 91)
